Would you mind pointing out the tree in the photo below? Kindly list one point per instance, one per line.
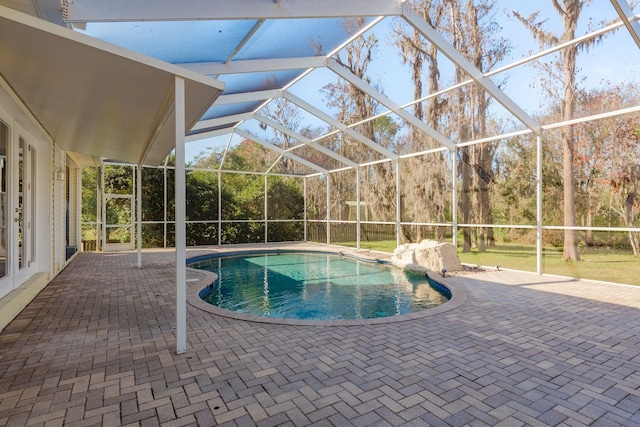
(425, 176)
(355, 106)
(569, 11)
(474, 34)
(288, 115)
(607, 158)
(378, 181)
(201, 205)
(463, 116)
(242, 199)
(89, 193)
(118, 180)
(285, 202)
(153, 206)
(89, 211)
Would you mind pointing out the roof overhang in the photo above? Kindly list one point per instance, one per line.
(95, 98)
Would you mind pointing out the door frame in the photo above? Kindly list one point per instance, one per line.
(15, 276)
(28, 187)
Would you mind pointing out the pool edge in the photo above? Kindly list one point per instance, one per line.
(458, 297)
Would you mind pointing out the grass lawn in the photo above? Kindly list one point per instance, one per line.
(597, 263)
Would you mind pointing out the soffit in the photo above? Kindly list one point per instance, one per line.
(96, 98)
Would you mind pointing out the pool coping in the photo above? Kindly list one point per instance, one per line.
(197, 284)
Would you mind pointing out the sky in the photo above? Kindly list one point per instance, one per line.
(616, 59)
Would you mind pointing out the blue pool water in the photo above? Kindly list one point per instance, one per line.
(316, 286)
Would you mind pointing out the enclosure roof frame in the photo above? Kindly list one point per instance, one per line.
(235, 109)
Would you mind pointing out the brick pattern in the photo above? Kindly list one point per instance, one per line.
(97, 347)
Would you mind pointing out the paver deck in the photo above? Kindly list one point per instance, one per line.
(97, 347)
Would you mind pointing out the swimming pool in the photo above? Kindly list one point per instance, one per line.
(318, 286)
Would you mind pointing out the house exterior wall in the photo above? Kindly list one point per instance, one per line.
(44, 204)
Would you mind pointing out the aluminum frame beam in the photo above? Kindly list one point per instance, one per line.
(171, 10)
(306, 141)
(626, 15)
(333, 65)
(457, 58)
(282, 151)
(221, 121)
(208, 134)
(245, 40)
(255, 65)
(339, 125)
(259, 95)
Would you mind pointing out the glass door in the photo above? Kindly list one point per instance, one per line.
(118, 207)
(119, 223)
(17, 204)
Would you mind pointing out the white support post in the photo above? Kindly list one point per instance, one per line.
(539, 204)
(398, 198)
(304, 189)
(181, 229)
(78, 191)
(164, 205)
(104, 210)
(328, 209)
(358, 207)
(219, 207)
(99, 216)
(139, 212)
(266, 210)
(454, 195)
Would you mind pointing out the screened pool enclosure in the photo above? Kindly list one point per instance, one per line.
(512, 131)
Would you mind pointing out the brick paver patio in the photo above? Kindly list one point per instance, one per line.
(97, 347)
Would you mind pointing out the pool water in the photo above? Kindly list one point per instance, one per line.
(316, 286)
